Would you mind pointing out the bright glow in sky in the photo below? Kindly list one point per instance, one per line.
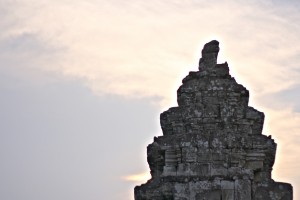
(82, 84)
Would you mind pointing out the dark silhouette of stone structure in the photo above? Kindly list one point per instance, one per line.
(212, 146)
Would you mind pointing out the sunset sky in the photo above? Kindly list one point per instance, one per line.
(82, 84)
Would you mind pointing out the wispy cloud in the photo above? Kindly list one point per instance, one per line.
(133, 48)
(138, 178)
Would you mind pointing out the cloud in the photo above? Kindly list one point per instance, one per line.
(138, 178)
(59, 141)
(134, 48)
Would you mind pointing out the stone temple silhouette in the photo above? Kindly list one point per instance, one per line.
(212, 146)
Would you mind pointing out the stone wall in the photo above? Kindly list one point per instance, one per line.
(212, 145)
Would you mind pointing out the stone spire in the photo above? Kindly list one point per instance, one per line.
(212, 146)
(209, 55)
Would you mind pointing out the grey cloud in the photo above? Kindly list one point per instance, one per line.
(282, 99)
(25, 43)
(61, 142)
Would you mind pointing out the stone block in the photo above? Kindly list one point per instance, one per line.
(209, 195)
(198, 98)
(211, 111)
(204, 156)
(181, 191)
(203, 143)
(218, 170)
(245, 128)
(171, 157)
(254, 165)
(209, 126)
(178, 129)
(240, 111)
(242, 189)
(256, 129)
(238, 158)
(261, 176)
(211, 100)
(227, 194)
(203, 185)
(202, 170)
(189, 154)
(183, 169)
(234, 101)
(217, 142)
(169, 171)
(222, 94)
(227, 185)
(222, 69)
(234, 171)
(254, 114)
(219, 156)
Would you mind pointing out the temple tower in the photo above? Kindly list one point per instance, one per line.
(212, 146)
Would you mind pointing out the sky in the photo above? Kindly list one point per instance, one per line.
(82, 84)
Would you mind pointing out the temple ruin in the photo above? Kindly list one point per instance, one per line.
(212, 146)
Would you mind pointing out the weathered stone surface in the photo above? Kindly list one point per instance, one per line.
(212, 145)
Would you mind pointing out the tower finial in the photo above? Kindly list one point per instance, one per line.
(209, 55)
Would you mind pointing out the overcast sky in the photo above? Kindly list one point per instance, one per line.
(82, 84)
